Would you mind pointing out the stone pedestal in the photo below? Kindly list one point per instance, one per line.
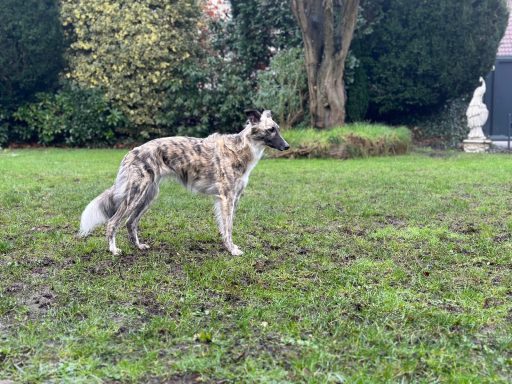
(477, 145)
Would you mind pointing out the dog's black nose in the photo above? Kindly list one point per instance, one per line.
(286, 147)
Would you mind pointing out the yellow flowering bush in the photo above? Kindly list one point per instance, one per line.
(130, 49)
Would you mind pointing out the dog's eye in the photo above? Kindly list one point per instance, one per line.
(273, 129)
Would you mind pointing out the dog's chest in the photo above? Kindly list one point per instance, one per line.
(250, 166)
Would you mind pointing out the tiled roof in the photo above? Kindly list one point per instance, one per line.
(505, 48)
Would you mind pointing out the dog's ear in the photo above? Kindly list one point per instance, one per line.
(267, 113)
(253, 115)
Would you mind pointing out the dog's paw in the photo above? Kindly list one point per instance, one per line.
(235, 251)
(115, 251)
(143, 247)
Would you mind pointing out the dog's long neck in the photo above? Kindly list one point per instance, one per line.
(256, 149)
(242, 149)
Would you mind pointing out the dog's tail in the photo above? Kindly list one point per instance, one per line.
(104, 206)
(97, 212)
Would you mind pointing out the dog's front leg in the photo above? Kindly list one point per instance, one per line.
(237, 198)
(224, 210)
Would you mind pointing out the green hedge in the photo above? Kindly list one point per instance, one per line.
(32, 46)
(447, 128)
(73, 117)
(420, 54)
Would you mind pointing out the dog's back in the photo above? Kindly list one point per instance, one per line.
(198, 164)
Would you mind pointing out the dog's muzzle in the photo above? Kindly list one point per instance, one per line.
(278, 143)
(282, 145)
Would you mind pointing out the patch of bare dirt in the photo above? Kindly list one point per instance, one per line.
(395, 221)
(38, 300)
(42, 228)
(15, 288)
(263, 265)
(268, 344)
(464, 228)
(203, 247)
(41, 300)
(492, 302)
(271, 247)
(184, 378)
(358, 232)
(150, 304)
(450, 307)
(502, 238)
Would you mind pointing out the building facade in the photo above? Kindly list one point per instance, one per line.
(499, 89)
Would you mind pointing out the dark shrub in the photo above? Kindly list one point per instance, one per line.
(207, 97)
(31, 46)
(446, 128)
(255, 28)
(420, 54)
(73, 116)
(358, 98)
(4, 127)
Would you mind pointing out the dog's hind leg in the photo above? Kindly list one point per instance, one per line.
(137, 210)
(112, 226)
(224, 209)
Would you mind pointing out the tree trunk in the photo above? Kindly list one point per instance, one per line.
(327, 28)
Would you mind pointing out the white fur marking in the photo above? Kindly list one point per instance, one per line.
(256, 153)
(92, 216)
(218, 217)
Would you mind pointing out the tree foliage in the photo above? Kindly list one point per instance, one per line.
(210, 92)
(257, 29)
(209, 95)
(283, 86)
(419, 54)
(31, 46)
(131, 49)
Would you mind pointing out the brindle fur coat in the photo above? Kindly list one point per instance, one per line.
(218, 165)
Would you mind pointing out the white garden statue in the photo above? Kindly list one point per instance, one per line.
(477, 114)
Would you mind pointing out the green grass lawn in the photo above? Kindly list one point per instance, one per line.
(378, 270)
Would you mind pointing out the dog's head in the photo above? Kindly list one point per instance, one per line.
(265, 130)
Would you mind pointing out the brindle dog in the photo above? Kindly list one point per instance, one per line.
(218, 165)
